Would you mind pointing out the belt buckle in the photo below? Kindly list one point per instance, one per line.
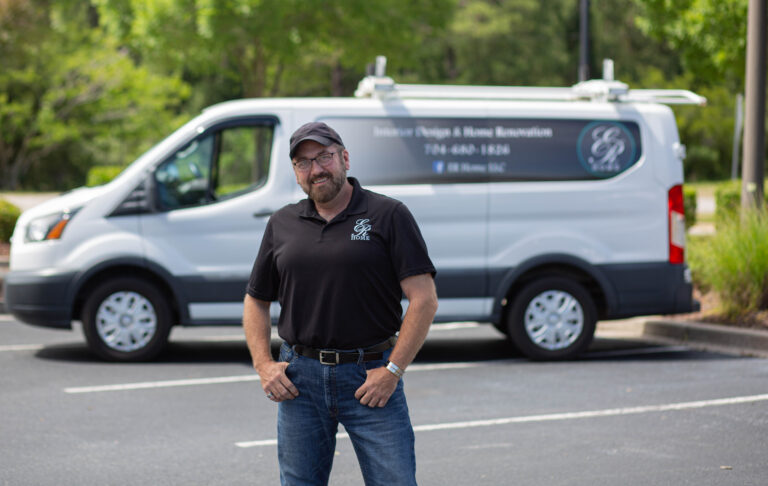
(333, 357)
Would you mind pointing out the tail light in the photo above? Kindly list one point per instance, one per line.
(676, 225)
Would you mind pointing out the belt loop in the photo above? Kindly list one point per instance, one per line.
(360, 356)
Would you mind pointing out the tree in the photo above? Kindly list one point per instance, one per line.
(533, 43)
(710, 35)
(254, 48)
(70, 98)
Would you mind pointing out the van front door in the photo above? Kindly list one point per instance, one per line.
(212, 209)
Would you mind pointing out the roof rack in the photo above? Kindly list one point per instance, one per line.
(378, 85)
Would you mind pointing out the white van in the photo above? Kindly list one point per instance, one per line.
(544, 210)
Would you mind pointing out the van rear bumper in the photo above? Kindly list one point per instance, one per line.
(649, 289)
(40, 299)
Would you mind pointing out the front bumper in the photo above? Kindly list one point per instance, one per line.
(40, 299)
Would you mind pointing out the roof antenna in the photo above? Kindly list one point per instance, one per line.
(608, 70)
(381, 66)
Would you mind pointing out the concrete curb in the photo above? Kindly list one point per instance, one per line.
(709, 337)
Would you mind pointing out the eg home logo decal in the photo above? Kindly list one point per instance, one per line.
(606, 148)
(361, 230)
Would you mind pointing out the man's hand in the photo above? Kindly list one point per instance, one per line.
(275, 383)
(378, 387)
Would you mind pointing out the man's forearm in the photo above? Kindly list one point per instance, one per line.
(413, 331)
(258, 328)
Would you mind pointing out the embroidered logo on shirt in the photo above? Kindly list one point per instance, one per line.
(361, 230)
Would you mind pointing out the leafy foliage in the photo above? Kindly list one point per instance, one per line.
(101, 174)
(96, 82)
(253, 48)
(707, 131)
(728, 202)
(734, 263)
(689, 203)
(8, 216)
(69, 97)
(710, 35)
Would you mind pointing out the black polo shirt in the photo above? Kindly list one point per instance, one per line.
(338, 282)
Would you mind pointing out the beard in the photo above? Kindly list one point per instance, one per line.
(328, 191)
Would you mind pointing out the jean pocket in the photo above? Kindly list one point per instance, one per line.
(286, 353)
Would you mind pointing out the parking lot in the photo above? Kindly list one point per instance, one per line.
(626, 413)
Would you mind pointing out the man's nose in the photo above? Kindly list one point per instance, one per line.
(315, 167)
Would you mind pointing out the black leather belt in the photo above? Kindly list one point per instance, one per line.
(334, 357)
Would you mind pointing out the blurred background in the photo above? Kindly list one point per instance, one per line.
(92, 83)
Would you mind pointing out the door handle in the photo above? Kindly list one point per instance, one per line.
(264, 213)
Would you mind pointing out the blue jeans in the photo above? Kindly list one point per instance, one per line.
(306, 426)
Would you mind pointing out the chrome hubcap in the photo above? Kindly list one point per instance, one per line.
(126, 321)
(554, 320)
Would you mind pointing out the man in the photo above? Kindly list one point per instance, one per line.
(339, 263)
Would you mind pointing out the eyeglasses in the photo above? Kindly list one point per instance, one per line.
(324, 159)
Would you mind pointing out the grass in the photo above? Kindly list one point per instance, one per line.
(733, 263)
(704, 188)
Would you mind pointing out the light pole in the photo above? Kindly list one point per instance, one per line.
(584, 40)
(753, 168)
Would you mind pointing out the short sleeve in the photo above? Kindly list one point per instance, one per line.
(408, 250)
(265, 279)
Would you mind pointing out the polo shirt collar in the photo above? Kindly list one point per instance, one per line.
(357, 205)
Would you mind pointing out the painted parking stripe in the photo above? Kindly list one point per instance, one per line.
(411, 369)
(21, 347)
(231, 379)
(162, 384)
(451, 326)
(611, 412)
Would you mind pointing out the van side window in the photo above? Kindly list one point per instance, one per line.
(222, 164)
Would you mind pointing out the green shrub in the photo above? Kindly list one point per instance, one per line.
(728, 202)
(689, 201)
(8, 216)
(101, 174)
(734, 263)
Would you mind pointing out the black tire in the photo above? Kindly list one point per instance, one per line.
(126, 319)
(552, 318)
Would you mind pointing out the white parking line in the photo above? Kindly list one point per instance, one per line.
(21, 347)
(162, 384)
(233, 379)
(611, 412)
(411, 369)
(450, 326)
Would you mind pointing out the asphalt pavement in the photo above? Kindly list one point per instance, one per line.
(628, 412)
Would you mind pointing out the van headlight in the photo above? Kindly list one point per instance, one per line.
(49, 227)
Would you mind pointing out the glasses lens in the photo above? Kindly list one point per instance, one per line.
(325, 159)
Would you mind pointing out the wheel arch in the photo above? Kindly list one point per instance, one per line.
(128, 267)
(561, 265)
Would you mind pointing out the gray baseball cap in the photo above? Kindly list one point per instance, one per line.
(317, 132)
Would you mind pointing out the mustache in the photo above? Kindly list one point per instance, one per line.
(321, 175)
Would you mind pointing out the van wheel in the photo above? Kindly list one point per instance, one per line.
(552, 318)
(126, 319)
